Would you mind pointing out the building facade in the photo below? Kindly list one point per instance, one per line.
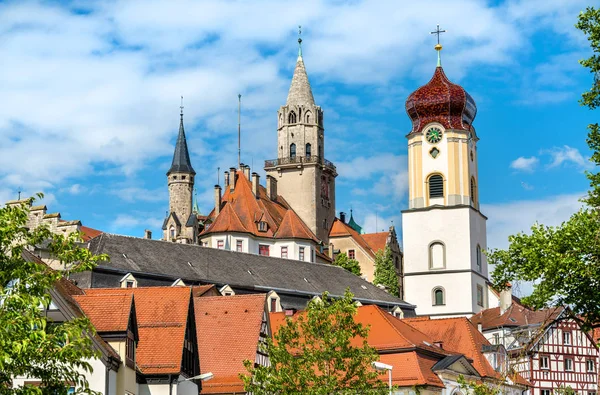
(444, 232)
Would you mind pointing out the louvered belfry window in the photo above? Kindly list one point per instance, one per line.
(436, 186)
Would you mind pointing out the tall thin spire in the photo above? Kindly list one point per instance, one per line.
(181, 157)
(438, 46)
(300, 91)
(239, 130)
(299, 41)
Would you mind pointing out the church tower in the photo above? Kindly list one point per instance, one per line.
(179, 224)
(304, 177)
(444, 230)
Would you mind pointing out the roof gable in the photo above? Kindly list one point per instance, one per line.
(107, 312)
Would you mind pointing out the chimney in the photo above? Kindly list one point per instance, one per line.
(331, 250)
(232, 177)
(226, 180)
(147, 234)
(480, 327)
(247, 172)
(271, 187)
(343, 217)
(217, 199)
(505, 298)
(255, 183)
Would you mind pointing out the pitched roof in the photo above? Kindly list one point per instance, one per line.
(241, 211)
(196, 264)
(340, 229)
(108, 313)
(398, 344)
(162, 314)
(89, 233)
(516, 315)
(459, 335)
(300, 92)
(181, 157)
(219, 320)
(376, 241)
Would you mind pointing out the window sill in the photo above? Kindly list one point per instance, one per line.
(438, 305)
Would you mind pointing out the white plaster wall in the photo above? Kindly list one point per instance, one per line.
(155, 389)
(457, 292)
(185, 387)
(250, 245)
(437, 165)
(96, 379)
(112, 385)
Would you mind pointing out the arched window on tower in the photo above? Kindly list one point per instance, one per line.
(438, 296)
(436, 186)
(293, 151)
(307, 151)
(292, 117)
(473, 191)
(437, 255)
(308, 117)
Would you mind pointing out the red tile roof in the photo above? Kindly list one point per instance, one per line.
(204, 290)
(398, 343)
(370, 242)
(515, 315)
(376, 241)
(460, 336)
(241, 212)
(108, 313)
(89, 233)
(228, 329)
(162, 314)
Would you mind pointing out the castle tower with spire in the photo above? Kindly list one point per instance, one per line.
(180, 225)
(444, 231)
(304, 177)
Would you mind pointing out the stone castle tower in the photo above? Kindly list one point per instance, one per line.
(304, 177)
(444, 231)
(180, 180)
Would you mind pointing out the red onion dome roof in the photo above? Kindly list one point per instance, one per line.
(441, 101)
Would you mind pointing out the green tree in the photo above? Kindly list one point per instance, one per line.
(385, 271)
(30, 344)
(320, 351)
(351, 265)
(563, 262)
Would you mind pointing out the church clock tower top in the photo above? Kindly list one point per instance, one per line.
(441, 101)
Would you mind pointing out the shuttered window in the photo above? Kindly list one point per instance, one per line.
(436, 186)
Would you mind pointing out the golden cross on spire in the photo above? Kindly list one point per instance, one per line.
(438, 46)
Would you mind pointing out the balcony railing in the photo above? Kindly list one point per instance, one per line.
(299, 160)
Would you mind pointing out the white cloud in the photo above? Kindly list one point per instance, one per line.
(505, 219)
(74, 189)
(567, 155)
(524, 164)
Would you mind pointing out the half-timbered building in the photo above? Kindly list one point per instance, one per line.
(548, 348)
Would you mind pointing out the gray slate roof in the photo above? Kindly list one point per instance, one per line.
(300, 92)
(181, 157)
(194, 263)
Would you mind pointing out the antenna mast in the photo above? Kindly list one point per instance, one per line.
(239, 130)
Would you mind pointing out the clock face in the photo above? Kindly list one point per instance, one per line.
(434, 135)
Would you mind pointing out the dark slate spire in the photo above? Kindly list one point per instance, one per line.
(181, 157)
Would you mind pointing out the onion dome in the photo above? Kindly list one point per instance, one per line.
(441, 101)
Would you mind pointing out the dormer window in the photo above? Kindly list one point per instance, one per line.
(262, 226)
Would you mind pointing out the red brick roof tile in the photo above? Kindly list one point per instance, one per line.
(515, 315)
(89, 233)
(228, 329)
(108, 313)
(162, 314)
(376, 241)
(241, 211)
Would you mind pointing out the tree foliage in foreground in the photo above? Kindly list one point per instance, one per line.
(351, 265)
(31, 345)
(314, 353)
(385, 271)
(564, 261)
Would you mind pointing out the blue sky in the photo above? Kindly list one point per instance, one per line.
(90, 99)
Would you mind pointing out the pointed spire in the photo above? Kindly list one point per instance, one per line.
(181, 157)
(300, 92)
(195, 208)
(299, 41)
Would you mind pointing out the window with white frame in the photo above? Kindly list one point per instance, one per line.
(568, 364)
(479, 295)
(438, 297)
(544, 362)
(284, 252)
(220, 244)
(239, 245)
(301, 253)
(590, 365)
(567, 338)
